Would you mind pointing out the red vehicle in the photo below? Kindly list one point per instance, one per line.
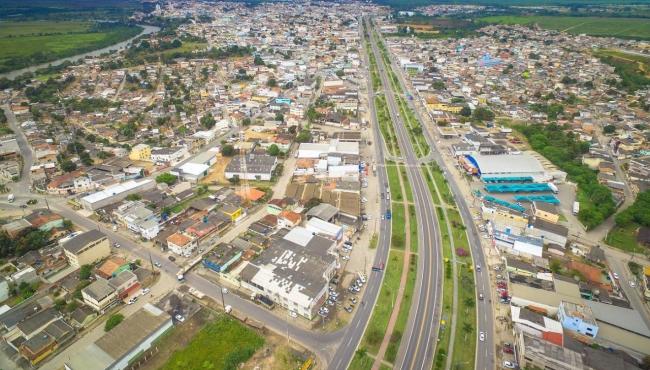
(508, 350)
(378, 268)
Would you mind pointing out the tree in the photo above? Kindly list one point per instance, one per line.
(166, 178)
(467, 329)
(246, 121)
(340, 73)
(609, 129)
(438, 85)
(258, 61)
(133, 197)
(234, 180)
(304, 136)
(208, 121)
(85, 272)
(113, 321)
(228, 150)
(273, 150)
(313, 202)
(483, 114)
(68, 166)
(271, 82)
(177, 43)
(279, 117)
(466, 111)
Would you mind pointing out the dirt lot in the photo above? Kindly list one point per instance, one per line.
(216, 176)
(277, 355)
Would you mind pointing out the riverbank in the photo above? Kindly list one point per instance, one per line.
(114, 46)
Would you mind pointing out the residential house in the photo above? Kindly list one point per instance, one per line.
(99, 295)
(578, 318)
(181, 244)
(140, 152)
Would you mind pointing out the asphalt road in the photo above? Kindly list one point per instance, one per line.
(25, 150)
(485, 318)
(416, 349)
(351, 337)
(336, 349)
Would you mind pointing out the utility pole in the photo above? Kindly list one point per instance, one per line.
(223, 301)
(151, 261)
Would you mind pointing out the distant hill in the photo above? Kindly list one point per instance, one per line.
(416, 3)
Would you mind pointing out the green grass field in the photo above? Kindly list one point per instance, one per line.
(223, 344)
(624, 238)
(28, 43)
(634, 28)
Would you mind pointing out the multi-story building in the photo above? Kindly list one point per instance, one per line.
(140, 152)
(577, 318)
(87, 248)
(99, 295)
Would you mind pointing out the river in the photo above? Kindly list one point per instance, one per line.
(146, 30)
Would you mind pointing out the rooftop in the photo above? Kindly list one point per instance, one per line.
(75, 244)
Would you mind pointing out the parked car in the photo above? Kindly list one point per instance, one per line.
(509, 365)
(180, 318)
(145, 291)
(157, 264)
(293, 314)
(172, 258)
(508, 350)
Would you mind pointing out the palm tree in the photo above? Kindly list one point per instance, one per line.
(467, 329)
(469, 303)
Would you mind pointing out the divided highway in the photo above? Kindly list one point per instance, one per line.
(416, 350)
(485, 318)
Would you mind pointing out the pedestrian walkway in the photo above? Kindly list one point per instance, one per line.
(379, 359)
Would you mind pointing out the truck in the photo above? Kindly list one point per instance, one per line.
(576, 207)
(553, 188)
(11, 198)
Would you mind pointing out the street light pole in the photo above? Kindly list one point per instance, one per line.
(223, 301)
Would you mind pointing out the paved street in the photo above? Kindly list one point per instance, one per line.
(416, 349)
(485, 318)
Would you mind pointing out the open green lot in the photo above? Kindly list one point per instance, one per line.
(624, 238)
(222, 344)
(634, 28)
(28, 43)
(385, 302)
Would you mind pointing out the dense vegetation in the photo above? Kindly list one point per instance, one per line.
(632, 69)
(223, 344)
(21, 49)
(30, 239)
(564, 150)
(113, 321)
(638, 213)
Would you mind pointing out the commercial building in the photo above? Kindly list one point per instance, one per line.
(87, 248)
(534, 352)
(546, 212)
(192, 172)
(322, 150)
(257, 167)
(168, 156)
(115, 349)
(549, 232)
(294, 271)
(115, 193)
(507, 165)
(524, 245)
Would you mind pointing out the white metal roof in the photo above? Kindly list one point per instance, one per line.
(194, 169)
(114, 190)
(299, 235)
(508, 164)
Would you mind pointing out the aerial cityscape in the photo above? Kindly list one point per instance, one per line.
(363, 185)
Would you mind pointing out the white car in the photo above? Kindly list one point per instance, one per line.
(346, 258)
(508, 364)
(224, 290)
(632, 284)
(145, 291)
(615, 275)
(293, 314)
(481, 336)
(180, 318)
